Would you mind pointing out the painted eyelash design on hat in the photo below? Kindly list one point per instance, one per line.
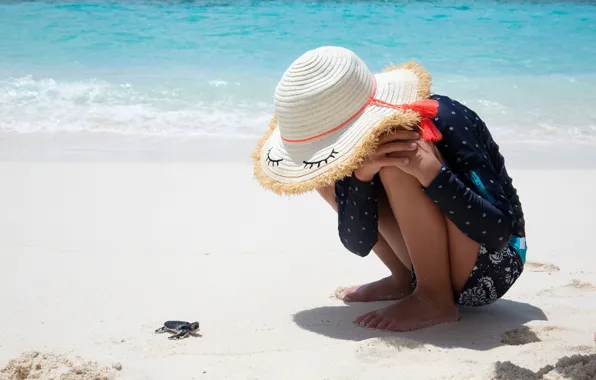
(310, 165)
(271, 160)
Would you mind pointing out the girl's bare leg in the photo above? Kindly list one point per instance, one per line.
(399, 284)
(442, 257)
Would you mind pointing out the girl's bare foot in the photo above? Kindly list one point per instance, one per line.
(387, 288)
(414, 312)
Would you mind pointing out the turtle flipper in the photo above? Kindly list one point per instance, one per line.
(182, 334)
(161, 330)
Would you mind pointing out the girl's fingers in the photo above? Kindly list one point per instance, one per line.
(396, 146)
(393, 161)
(399, 135)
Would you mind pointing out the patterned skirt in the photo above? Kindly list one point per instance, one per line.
(493, 275)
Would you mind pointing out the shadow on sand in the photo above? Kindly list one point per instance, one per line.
(478, 329)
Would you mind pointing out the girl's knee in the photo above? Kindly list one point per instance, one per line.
(327, 192)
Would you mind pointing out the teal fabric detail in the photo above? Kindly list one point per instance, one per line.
(519, 246)
(480, 186)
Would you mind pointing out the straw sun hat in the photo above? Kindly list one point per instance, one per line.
(329, 112)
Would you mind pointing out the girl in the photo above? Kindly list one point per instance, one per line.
(414, 177)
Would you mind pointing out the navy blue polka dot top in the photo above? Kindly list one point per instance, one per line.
(472, 189)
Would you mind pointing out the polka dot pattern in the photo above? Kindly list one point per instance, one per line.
(473, 188)
(357, 214)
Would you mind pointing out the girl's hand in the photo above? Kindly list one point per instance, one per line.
(392, 151)
(420, 162)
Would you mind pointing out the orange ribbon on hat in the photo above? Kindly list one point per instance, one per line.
(426, 108)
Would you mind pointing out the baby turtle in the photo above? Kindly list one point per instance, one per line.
(180, 328)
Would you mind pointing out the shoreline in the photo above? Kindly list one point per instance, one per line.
(112, 147)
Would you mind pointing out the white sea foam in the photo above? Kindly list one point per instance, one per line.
(46, 105)
(222, 83)
(516, 108)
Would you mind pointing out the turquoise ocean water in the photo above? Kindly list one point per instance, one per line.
(177, 68)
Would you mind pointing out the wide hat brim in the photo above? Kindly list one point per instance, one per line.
(296, 168)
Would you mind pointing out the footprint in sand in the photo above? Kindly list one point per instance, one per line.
(36, 365)
(576, 287)
(385, 349)
(534, 266)
(576, 367)
(584, 349)
(526, 335)
(519, 336)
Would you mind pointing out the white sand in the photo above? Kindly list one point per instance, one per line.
(36, 365)
(95, 256)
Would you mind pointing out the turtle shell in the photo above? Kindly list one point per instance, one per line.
(175, 325)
